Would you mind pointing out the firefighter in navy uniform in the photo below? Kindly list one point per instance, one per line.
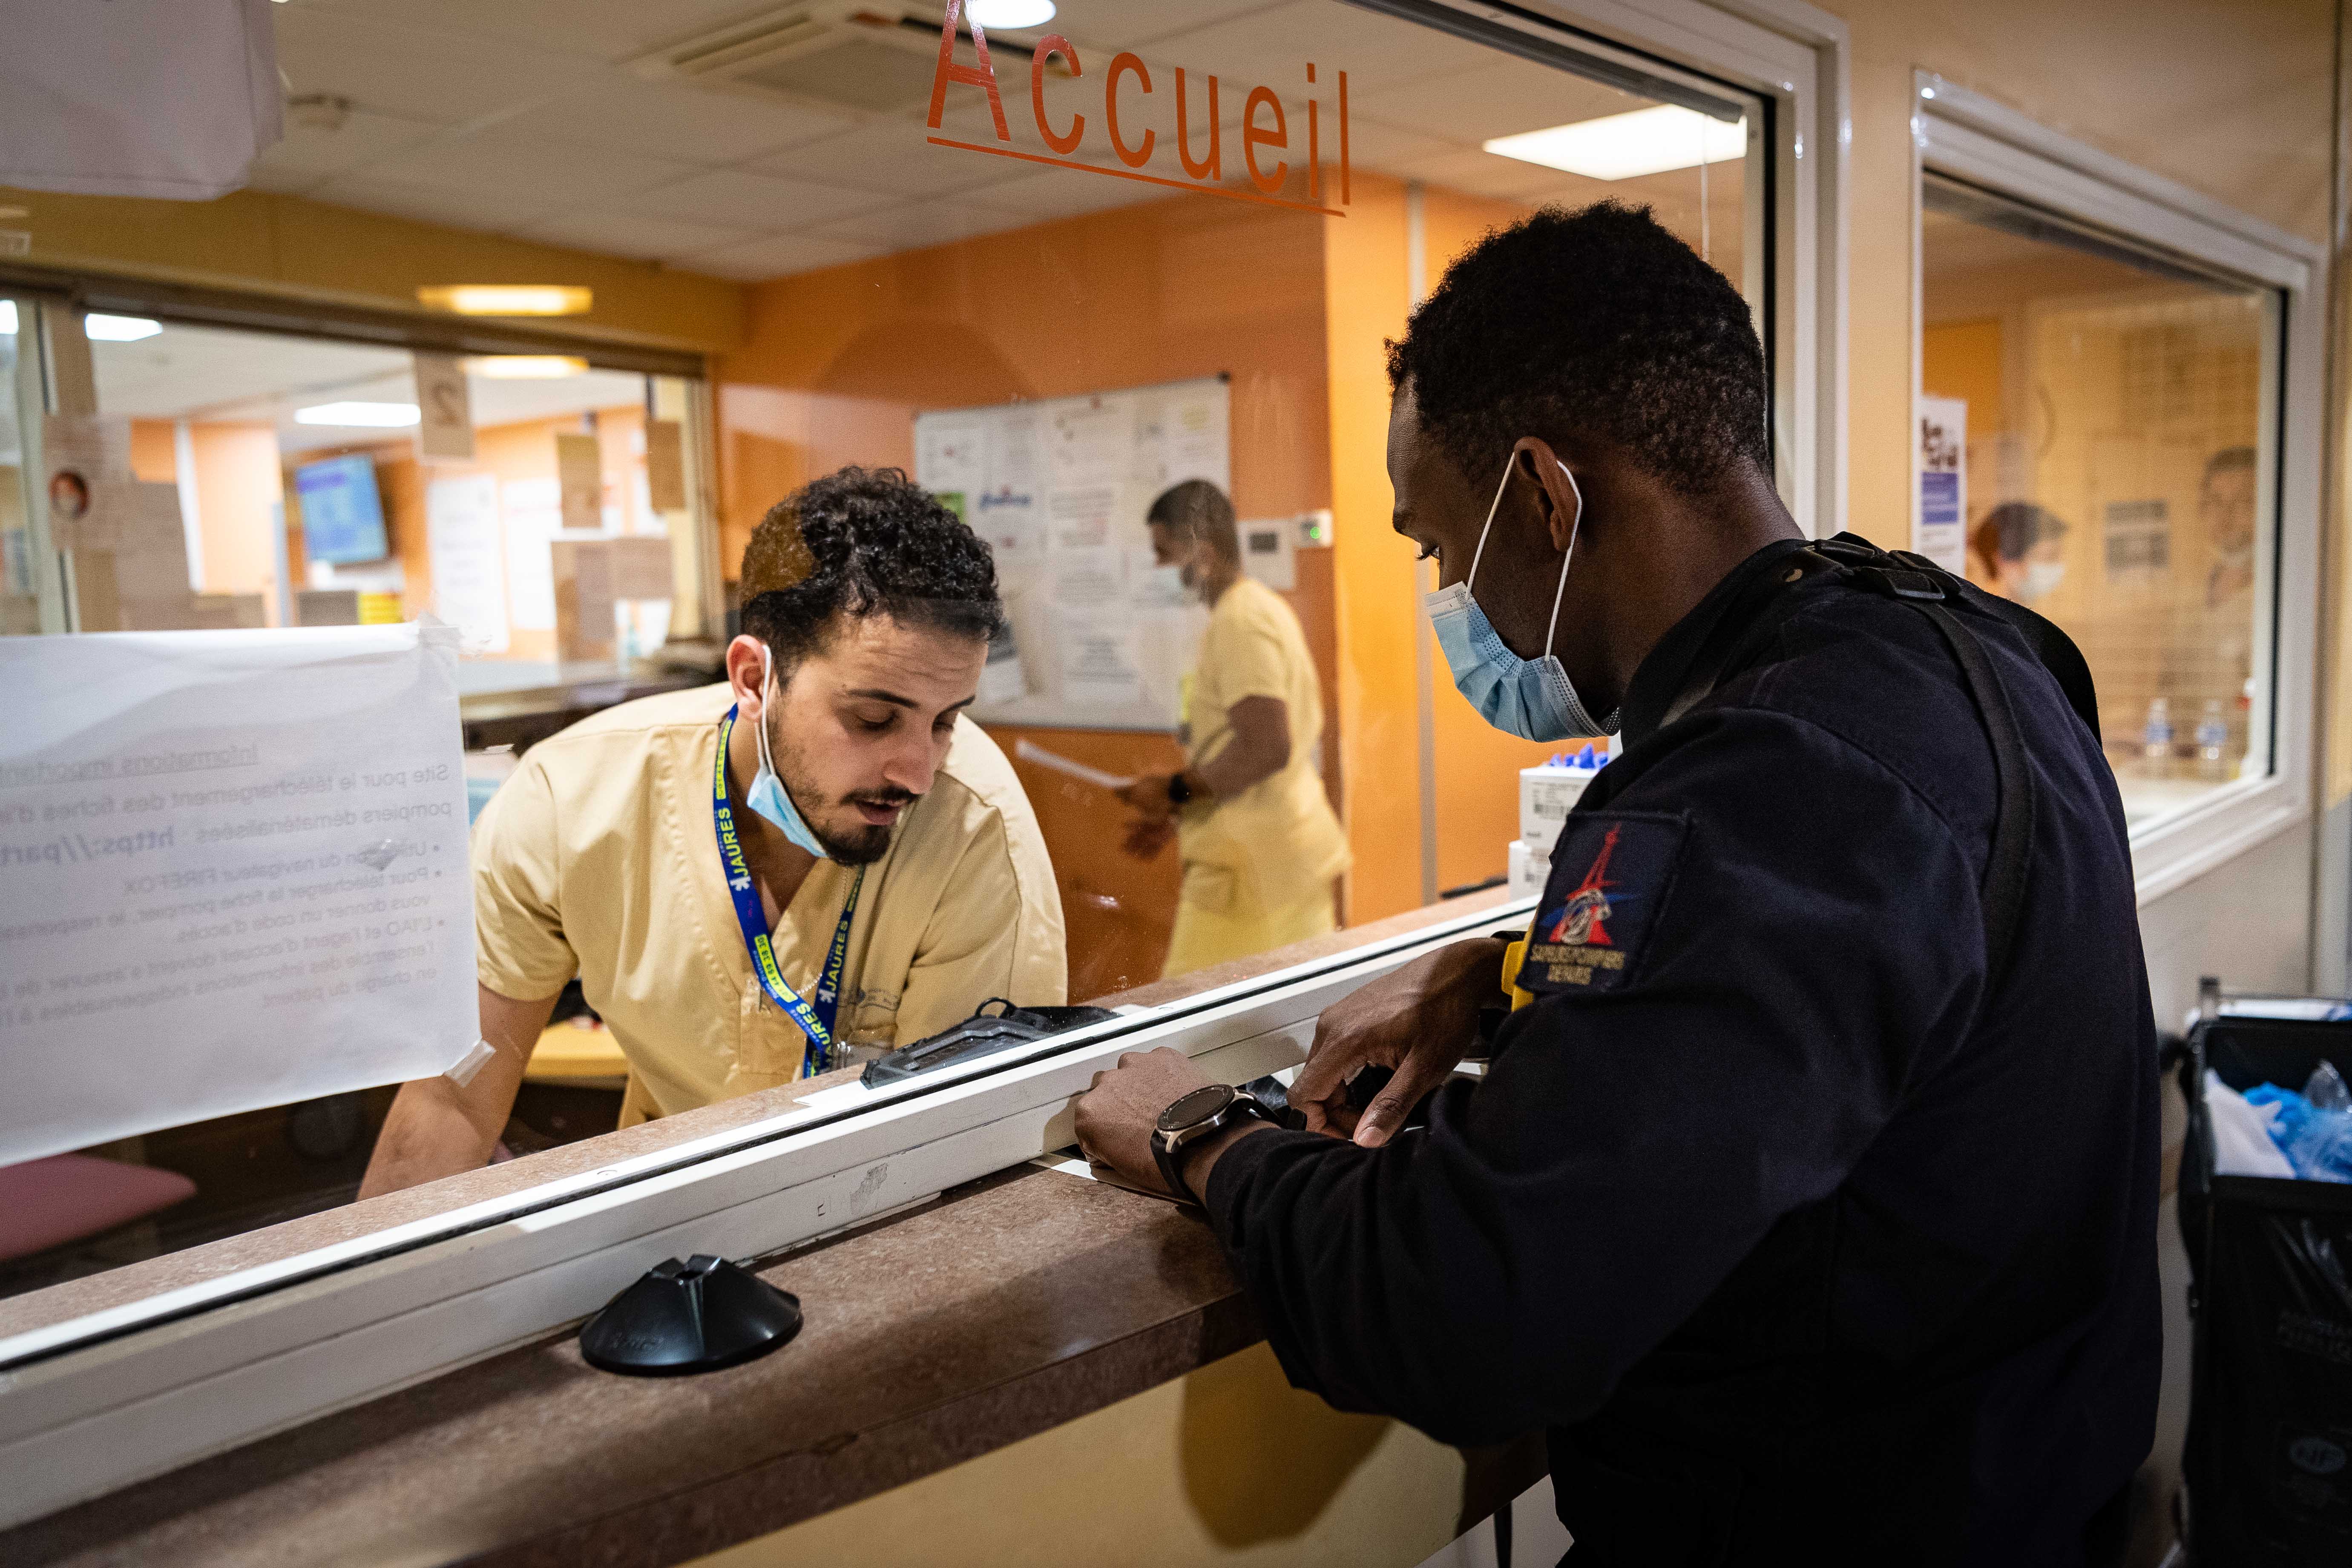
(1808, 1201)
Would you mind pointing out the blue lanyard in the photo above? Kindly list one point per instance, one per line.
(816, 1022)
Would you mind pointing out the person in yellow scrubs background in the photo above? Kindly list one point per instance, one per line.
(1262, 849)
(816, 860)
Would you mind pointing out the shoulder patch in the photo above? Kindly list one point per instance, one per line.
(1611, 871)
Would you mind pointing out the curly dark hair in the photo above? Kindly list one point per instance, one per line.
(1597, 319)
(858, 543)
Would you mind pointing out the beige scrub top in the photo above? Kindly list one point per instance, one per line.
(1276, 843)
(598, 857)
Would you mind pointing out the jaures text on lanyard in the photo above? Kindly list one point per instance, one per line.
(816, 1019)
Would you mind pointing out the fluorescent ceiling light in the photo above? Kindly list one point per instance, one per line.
(1627, 146)
(368, 415)
(507, 299)
(7, 318)
(118, 329)
(528, 367)
(1010, 13)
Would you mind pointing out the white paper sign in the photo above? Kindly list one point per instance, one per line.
(532, 516)
(462, 540)
(233, 875)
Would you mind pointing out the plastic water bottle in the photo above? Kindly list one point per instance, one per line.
(2212, 737)
(2321, 1148)
(2155, 740)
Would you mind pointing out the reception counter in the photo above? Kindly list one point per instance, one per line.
(1034, 1367)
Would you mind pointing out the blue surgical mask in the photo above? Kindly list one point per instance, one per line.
(767, 796)
(1531, 697)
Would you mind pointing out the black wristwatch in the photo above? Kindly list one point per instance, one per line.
(1204, 1113)
(1178, 792)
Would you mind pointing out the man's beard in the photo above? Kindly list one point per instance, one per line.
(862, 845)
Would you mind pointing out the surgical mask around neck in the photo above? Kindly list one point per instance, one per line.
(1531, 697)
(2042, 578)
(767, 796)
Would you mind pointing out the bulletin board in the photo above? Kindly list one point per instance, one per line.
(1058, 487)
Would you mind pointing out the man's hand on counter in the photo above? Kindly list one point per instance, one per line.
(1117, 1114)
(1421, 1021)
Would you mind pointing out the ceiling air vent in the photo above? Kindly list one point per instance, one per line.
(840, 54)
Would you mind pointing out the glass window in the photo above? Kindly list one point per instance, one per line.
(2098, 439)
(1126, 316)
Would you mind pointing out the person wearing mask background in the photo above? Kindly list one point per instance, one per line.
(1808, 1198)
(1262, 849)
(757, 880)
(2023, 548)
(2208, 648)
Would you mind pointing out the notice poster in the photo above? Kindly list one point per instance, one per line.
(465, 547)
(1098, 658)
(580, 474)
(1058, 489)
(83, 458)
(444, 410)
(233, 875)
(1942, 532)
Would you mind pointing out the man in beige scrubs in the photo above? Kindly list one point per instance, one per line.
(1262, 849)
(888, 860)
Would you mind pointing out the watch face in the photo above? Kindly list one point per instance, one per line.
(1196, 1107)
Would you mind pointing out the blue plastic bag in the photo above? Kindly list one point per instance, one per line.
(2314, 1128)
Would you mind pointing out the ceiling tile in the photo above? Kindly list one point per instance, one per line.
(731, 199)
(608, 29)
(915, 224)
(1372, 145)
(667, 120)
(495, 161)
(1129, 24)
(777, 255)
(1498, 98)
(311, 156)
(398, 67)
(495, 213)
(1065, 193)
(890, 158)
(610, 233)
(1273, 46)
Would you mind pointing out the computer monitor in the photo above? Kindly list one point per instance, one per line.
(343, 511)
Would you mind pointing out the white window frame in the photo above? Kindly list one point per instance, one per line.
(1970, 137)
(98, 1403)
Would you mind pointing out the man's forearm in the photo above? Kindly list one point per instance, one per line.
(428, 1136)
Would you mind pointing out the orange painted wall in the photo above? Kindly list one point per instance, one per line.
(839, 362)
(1365, 298)
(238, 483)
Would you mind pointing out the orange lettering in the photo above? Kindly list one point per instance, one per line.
(1214, 167)
(1253, 139)
(1055, 44)
(982, 75)
(1344, 197)
(1136, 159)
(1314, 147)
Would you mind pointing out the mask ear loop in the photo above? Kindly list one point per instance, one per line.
(1492, 507)
(1573, 528)
(767, 675)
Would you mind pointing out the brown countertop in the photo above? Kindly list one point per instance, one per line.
(1002, 1308)
(998, 1311)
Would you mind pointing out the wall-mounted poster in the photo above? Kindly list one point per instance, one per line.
(1942, 534)
(1058, 487)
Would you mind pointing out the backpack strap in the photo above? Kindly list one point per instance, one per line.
(1919, 583)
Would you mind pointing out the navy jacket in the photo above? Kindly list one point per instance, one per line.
(1799, 1238)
